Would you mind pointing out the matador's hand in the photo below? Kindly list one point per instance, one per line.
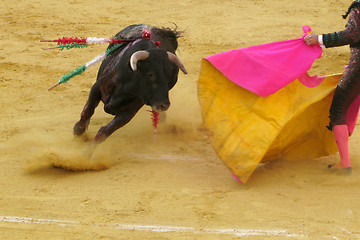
(311, 39)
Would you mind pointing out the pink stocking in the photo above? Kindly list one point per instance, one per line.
(341, 134)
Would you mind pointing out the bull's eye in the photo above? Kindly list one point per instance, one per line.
(151, 75)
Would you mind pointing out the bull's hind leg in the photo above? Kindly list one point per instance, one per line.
(88, 111)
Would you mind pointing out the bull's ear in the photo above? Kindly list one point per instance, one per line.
(173, 58)
(136, 56)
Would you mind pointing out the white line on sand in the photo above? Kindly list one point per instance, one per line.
(162, 157)
(161, 229)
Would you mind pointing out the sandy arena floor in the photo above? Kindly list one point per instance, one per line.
(176, 188)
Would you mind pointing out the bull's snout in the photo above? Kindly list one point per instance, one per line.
(162, 107)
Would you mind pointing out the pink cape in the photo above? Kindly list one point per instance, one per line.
(265, 69)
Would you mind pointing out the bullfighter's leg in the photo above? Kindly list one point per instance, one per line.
(121, 118)
(88, 111)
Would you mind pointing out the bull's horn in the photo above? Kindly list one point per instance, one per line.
(173, 58)
(136, 56)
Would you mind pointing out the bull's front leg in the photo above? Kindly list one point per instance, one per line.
(88, 110)
(119, 121)
(123, 117)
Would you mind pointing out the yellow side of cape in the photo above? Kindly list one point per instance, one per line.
(246, 129)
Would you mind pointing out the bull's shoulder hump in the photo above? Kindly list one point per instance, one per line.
(133, 30)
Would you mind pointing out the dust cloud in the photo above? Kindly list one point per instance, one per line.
(63, 150)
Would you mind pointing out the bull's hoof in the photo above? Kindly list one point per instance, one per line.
(80, 128)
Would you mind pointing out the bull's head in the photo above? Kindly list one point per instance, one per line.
(158, 74)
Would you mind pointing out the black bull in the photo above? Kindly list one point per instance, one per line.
(137, 73)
